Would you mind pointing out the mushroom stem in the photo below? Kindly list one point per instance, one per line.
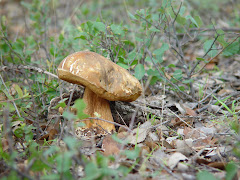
(96, 104)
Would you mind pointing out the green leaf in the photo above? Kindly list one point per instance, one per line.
(153, 29)
(70, 142)
(231, 169)
(205, 175)
(181, 20)
(117, 29)
(69, 115)
(171, 65)
(64, 161)
(139, 39)
(207, 46)
(100, 26)
(51, 150)
(178, 74)
(61, 103)
(131, 16)
(80, 105)
(152, 72)
(154, 80)
(123, 65)
(200, 59)
(139, 71)
(51, 176)
(198, 20)
(187, 81)
(19, 132)
(232, 49)
(91, 171)
(132, 154)
(161, 50)
(192, 20)
(221, 37)
(19, 90)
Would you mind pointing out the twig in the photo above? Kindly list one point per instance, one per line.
(117, 124)
(213, 29)
(133, 118)
(174, 85)
(210, 48)
(14, 104)
(30, 68)
(215, 90)
(216, 55)
(215, 101)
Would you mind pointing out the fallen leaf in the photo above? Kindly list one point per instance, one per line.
(210, 66)
(184, 146)
(175, 158)
(218, 165)
(110, 146)
(144, 150)
(190, 112)
(5, 145)
(137, 135)
(152, 145)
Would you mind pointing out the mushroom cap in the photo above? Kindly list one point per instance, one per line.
(102, 76)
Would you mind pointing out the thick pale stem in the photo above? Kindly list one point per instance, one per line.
(96, 104)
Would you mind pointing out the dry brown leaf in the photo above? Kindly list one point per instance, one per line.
(209, 140)
(122, 129)
(225, 91)
(167, 145)
(144, 150)
(110, 146)
(202, 161)
(210, 66)
(137, 135)
(5, 146)
(152, 145)
(218, 165)
(190, 112)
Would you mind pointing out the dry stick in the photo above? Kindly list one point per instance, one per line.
(121, 117)
(117, 124)
(14, 104)
(133, 118)
(177, 41)
(215, 90)
(13, 99)
(209, 29)
(68, 105)
(214, 101)
(7, 129)
(4, 68)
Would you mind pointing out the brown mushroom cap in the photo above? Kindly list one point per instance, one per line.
(105, 78)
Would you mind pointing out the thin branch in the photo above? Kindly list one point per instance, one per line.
(30, 68)
(14, 104)
(210, 48)
(117, 124)
(216, 55)
(174, 85)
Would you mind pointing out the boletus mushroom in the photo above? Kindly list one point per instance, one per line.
(104, 81)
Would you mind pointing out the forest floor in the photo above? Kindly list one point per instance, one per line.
(162, 135)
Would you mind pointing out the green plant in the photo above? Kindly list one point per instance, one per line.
(150, 42)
